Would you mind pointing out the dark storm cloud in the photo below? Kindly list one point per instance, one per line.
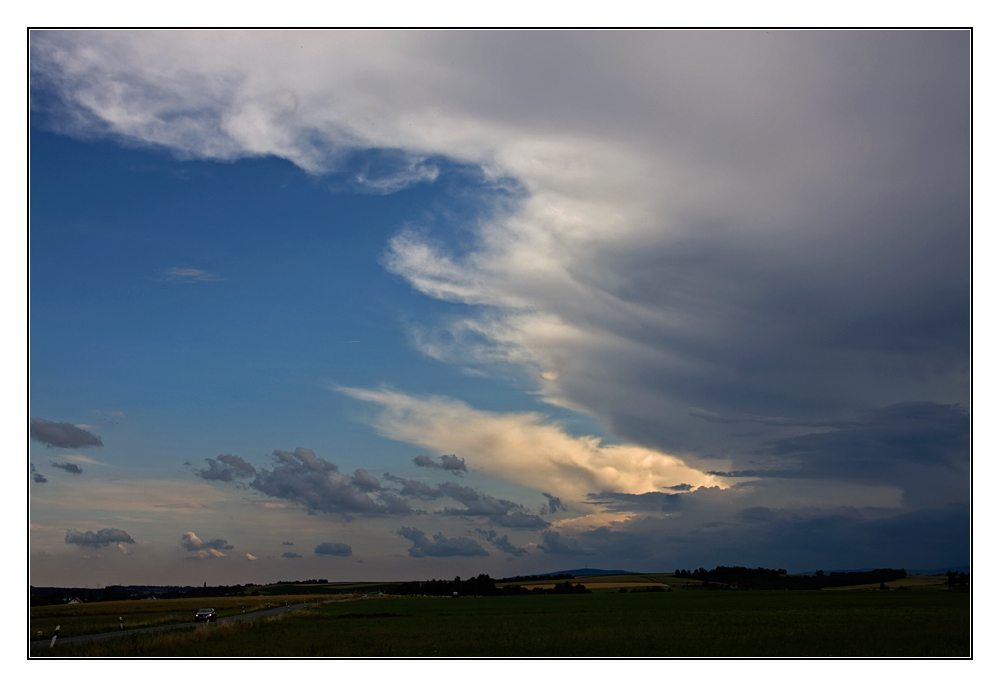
(555, 504)
(37, 477)
(99, 539)
(680, 487)
(225, 468)
(795, 539)
(192, 542)
(287, 543)
(332, 549)
(68, 467)
(291, 554)
(499, 511)
(441, 547)
(451, 463)
(921, 447)
(556, 544)
(304, 478)
(61, 434)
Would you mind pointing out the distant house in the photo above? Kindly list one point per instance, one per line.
(74, 600)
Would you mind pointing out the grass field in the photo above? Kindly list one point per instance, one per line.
(682, 623)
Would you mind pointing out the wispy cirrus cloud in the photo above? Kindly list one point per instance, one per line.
(187, 275)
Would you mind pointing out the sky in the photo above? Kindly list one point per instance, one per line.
(411, 305)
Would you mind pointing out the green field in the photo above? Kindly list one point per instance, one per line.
(932, 622)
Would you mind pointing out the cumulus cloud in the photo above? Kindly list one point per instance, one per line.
(332, 549)
(68, 467)
(413, 488)
(290, 554)
(250, 557)
(500, 511)
(61, 434)
(36, 476)
(225, 468)
(302, 477)
(441, 547)
(502, 543)
(451, 463)
(526, 449)
(101, 538)
(204, 549)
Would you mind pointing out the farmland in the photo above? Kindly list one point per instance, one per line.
(920, 618)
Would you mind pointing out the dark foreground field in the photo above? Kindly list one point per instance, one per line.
(682, 623)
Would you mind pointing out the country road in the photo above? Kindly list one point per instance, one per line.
(44, 643)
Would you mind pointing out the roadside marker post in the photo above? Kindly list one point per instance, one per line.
(121, 626)
(54, 637)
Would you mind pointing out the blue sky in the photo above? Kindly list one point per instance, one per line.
(418, 304)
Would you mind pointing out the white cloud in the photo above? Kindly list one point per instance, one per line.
(250, 557)
(525, 449)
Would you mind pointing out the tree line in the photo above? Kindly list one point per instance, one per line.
(766, 578)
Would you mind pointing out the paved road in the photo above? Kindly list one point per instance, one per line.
(160, 628)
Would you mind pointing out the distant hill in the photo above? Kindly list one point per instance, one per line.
(592, 572)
